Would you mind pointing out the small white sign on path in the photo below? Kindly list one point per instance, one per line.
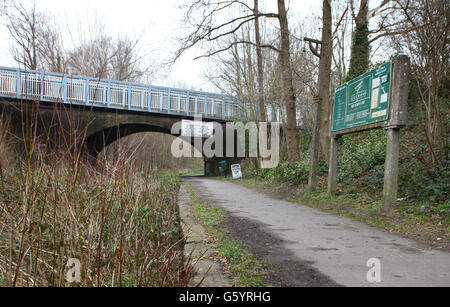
(236, 171)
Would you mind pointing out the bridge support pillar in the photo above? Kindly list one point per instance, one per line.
(211, 167)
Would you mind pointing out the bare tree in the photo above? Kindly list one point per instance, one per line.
(213, 31)
(321, 125)
(259, 59)
(288, 88)
(37, 42)
(425, 28)
(51, 50)
(325, 77)
(209, 28)
(235, 72)
(341, 37)
(128, 61)
(25, 28)
(105, 57)
(92, 58)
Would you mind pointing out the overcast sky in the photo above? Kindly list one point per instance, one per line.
(157, 22)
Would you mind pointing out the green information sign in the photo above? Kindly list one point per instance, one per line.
(363, 100)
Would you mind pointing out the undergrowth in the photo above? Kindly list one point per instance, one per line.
(121, 225)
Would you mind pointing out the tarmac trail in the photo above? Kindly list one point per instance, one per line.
(312, 248)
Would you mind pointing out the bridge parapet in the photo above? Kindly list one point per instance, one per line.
(86, 91)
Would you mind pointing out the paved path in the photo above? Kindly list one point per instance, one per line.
(334, 246)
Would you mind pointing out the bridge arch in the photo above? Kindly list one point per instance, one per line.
(95, 142)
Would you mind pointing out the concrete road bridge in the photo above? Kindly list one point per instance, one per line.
(103, 111)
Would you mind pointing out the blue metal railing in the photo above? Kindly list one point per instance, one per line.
(69, 89)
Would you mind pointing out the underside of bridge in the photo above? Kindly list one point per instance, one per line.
(97, 141)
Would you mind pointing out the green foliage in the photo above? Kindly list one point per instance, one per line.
(361, 168)
(293, 173)
(362, 155)
(445, 208)
(419, 182)
(305, 141)
(359, 62)
(361, 164)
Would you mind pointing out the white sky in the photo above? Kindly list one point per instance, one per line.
(157, 22)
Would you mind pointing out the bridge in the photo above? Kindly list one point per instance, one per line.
(109, 109)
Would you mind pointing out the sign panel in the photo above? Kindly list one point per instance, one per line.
(363, 100)
(198, 129)
(236, 171)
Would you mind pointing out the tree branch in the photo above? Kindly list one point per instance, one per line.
(233, 44)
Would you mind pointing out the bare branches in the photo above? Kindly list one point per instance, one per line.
(50, 42)
(105, 57)
(375, 11)
(339, 22)
(391, 33)
(236, 43)
(37, 41)
(24, 27)
(92, 58)
(424, 37)
(38, 44)
(127, 60)
(314, 49)
(208, 26)
(441, 36)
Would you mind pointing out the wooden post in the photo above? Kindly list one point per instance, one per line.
(332, 172)
(397, 120)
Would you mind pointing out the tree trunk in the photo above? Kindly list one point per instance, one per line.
(321, 125)
(288, 89)
(261, 104)
(324, 76)
(359, 58)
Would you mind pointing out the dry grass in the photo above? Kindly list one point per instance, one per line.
(122, 225)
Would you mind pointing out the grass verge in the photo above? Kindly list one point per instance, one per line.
(248, 270)
(191, 172)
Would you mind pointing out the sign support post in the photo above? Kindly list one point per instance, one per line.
(333, 167)
(397, 120)
(391, 169)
